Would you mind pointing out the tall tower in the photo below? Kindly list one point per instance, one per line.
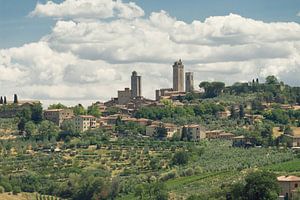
(136, 90)
(189, 82)
(178, 76)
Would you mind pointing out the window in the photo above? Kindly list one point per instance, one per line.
(296, 185)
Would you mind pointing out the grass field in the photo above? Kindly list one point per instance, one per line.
(289, 166)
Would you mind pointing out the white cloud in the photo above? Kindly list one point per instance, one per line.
(92, 59)
(100, 9)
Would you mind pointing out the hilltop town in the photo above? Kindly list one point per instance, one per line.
(184, 139)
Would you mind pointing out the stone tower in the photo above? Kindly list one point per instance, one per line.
(136, 89)
(178, 76)
(189, 82)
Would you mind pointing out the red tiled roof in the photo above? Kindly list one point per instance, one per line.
(288, 178)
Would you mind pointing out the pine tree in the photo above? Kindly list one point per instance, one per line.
(15, 98)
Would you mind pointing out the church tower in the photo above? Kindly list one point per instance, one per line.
(178, 76)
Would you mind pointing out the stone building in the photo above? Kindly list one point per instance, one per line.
(124, 96)
(136, 88)
(193, 132)
(85, 122)
(189, 82)
(58, 116)
(178, 76)
(288, 186)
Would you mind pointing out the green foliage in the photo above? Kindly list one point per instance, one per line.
(260, 185)
(57, 106)
(37, 113)
(94, 110)
(212, 89)
(151, 191)
(30, 129)
(277, 116)
(79, 110)
(180, 158)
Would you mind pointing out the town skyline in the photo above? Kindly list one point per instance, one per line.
(83, 57)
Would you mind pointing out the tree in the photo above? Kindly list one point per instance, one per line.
(259, 185)
(271, 80)
(242, 111)
(151, 191)
(37, 112)
(79, 110)
(94, 110)
(180, 158)
(30, 128)
(161, 131)
(57, 106)
(1, 100)
(15, 98)
(212, 89)
(47, 129)
(4, 101)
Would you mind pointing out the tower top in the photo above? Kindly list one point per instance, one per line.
(178, 63)
(134, 73)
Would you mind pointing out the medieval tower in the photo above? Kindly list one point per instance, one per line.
(178, 76)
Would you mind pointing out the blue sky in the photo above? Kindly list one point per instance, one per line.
(17, 29)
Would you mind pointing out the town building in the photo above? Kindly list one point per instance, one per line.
(178, 76)
(58, 116)
(124, 96)
(85, 122)
(194, 132)
(136, 88)
(288, 186)
(189, 82)
(11, 109)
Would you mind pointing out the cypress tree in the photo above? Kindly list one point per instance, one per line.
(4, 101)
(15, 98)
(1, 100)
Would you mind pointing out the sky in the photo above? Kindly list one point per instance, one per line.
(75, 51)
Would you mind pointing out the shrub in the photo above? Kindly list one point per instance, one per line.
(7, 186)
(2, 190)
(16, 190)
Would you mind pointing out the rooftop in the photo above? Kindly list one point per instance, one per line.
(288, 178)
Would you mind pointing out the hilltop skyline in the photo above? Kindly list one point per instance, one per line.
(87, 53)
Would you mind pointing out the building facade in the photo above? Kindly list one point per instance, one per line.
(178, 76)
(189, 82)
(58, 116)
(124, 96)
(85, 122)
(193, 132)
(288, 186)
(136, 87)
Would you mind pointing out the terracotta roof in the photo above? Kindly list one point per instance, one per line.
(53, 110)
(87, 116)
(288, 178)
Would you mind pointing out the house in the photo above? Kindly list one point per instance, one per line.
(85, 122)
(171, 129)
(288, 186)
(223, 114)
(11, 109)
(242, 141)
(58, 116)
(293, 140)
(226, 136)
(194, 132)
(213, 134)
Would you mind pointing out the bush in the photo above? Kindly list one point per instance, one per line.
(168, 175)
(7, 186)
(180, 158)
(2, 190)
(16, 190)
